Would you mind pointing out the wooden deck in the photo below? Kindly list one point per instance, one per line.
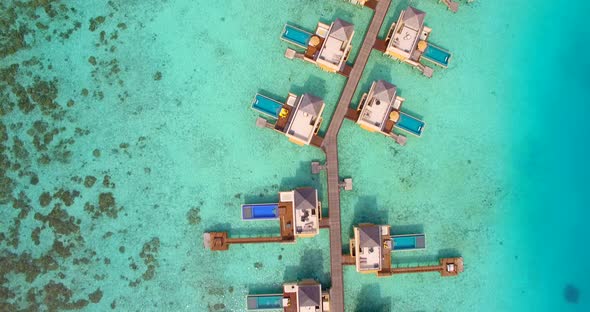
(330, 147)
(292, 297)
(345, 71)
(348, 260)
(388, 126)
(312, 51)
(281, 123)
(352, 114)
(371, 4)
(316, 141)
(380, 45)
(287, 222)
(385, 260)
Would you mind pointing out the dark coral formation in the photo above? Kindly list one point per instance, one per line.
(66, 196)
(89, 181)
(60, 221)
(106, 182)
(193, 216)
(36, 135)
(22, 203)
(96, 22)
(61, 249)
(23, 264)
(149, 255)
(58, 297)
(15, 29)
(571, 293)
(95, 296)
(106, 201)
(106, 206)
(35, 236)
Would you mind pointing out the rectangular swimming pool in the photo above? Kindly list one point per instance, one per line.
(260, 212)
(409, 242)
(437, 55)
(267, 106)
(410, 124)
(264, 302)
(296, 36)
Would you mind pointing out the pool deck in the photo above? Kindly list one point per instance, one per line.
(220, 241)
(442, 267)
(330, 147)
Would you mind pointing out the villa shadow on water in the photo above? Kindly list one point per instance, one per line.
(370, 299)
(408, 259)
(400, 229)
(311, 267)
(264, 289)
(279, 97)
(264, 197)
(339, 13)
(314, 85)
(302, 178)
(233, 231)
(449, 253)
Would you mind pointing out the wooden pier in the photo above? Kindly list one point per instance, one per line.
(446, 267)
(330, 147)
(220, 241)
(452, 5)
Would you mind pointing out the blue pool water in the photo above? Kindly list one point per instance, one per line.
(267, 106)
(260, 212)
(410, 124)
(408, 242)
(296, 36)
(437, 55)
(270, 302)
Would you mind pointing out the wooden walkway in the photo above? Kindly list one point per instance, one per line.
(330, 147)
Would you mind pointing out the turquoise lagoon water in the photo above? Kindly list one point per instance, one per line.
(127, 132)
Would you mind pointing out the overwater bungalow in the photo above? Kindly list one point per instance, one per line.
(305, 208)
(305, 296)
(372, 245)
(407, 41)
(299, 117)
(379, 110)
(328, 47)
(299, 213)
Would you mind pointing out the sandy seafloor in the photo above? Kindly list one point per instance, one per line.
(126, 132)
